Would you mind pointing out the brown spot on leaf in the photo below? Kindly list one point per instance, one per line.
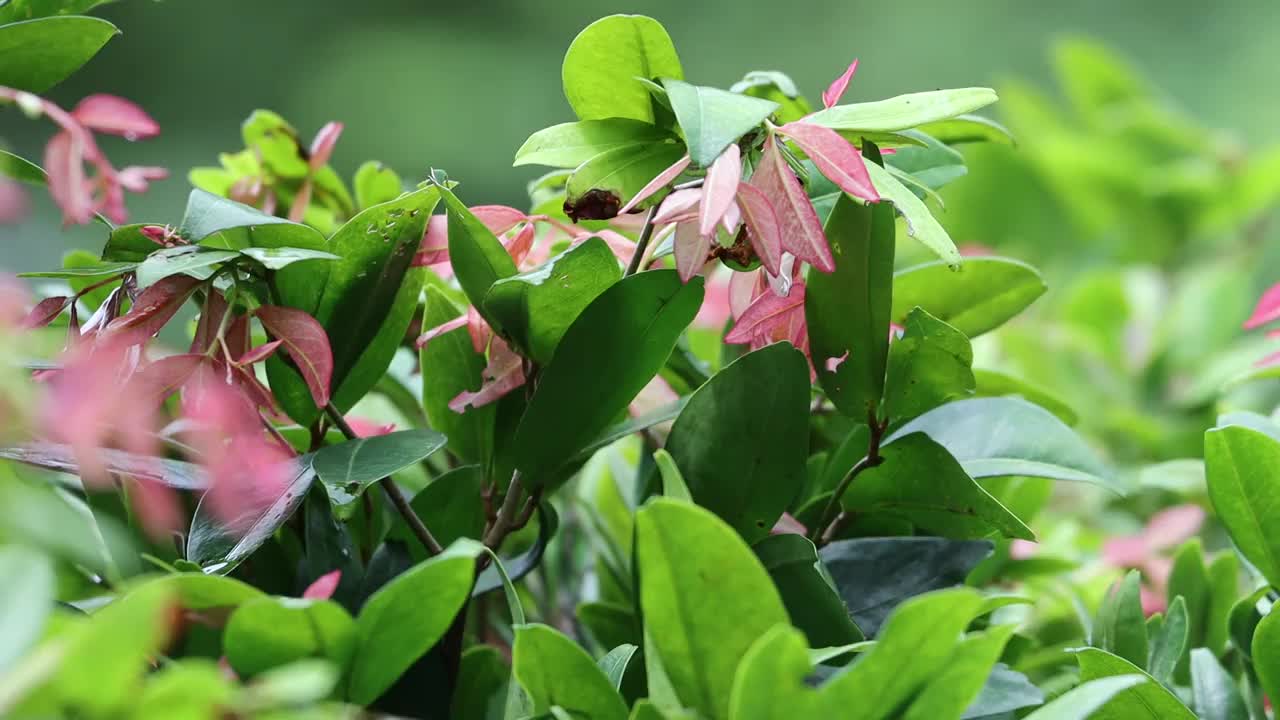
(594, 204)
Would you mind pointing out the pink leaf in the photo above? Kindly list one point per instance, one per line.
(504, 373)
(498, 218)
(1267, 310)
(322, 144)
(1171, 526)
(768, 313)
(744, 288)
(831, 96)
(153, 308)
(164, 376)
(115, 116)
(64, 164)
(714, 312)
(323, 587)
(15, 202)
(1126, 552)
(662, 180)
(691, 248)
(306, 343)
(622, 246)
(798, 223)
(437, 331)
(367, 428)
(518, 247)
(678, 206)
(835, 157)
(478, 329)
(762, 226)
(45, 312)
(1021, 549)
(719, 188)
(260, 353)
(137, 178)
(788, 525)
(434, 248)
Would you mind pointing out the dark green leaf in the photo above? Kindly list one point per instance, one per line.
(615, 663)
(535, 308)
(450, 506)
(1241, 466)
(741, 446)
(713, 119)
(931, 164)
(929, 365)
(479, 259)
(981, 296)
(41, 53)
(1245, 615)
(568, 145)
(556, 671)
(1266, 652)
(604, 60)
(482, 684)
(848, 310)
(127, 244)
(208, 215)
(611, 351)
(524, 563)
(216, 547)
(1005, 691)
(270, 632)
(348, 468)
(959, 683)
(807, 590)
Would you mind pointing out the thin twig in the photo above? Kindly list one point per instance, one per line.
(506, 513)
(829, 523)
(393, 493)
(642, 245)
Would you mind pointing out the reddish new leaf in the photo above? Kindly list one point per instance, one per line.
(831, 96)
(323, 587)
(691, 248)
(504, 373)
(679, 206)
(437, 331)
(498, 218)
(766, 314)
(656, 184)
(210, 319)
(835, 157)
(762, 226)
(153, 308)
(260, 353)
(64, 164)
(46, 311)
(164, 376)
(115, 116)
(719, 189)
(306, 343)
(1267, 310)
(798, 223)
(322, 144)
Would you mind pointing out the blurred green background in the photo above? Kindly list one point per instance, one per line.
(460, 85)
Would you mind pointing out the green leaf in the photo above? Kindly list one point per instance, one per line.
(929, 365)
(268, 633)
(904, 111)
(770, 680)
(217, 547)
(375, 184)
(41, 53)
(600, 186)
(615, 663)
(703, 610)
(189, 689)
(271, 138)
(94, 271)
(967, 129)
(1189, 579)
(482, 684)
(346, 469)
(554, 670)
(198, 591)
(993, 383)
(604, 60)
(807, 590)
(993, 437)
(713, 119)
(568, 145)
(1241, 466)
(921, 224)
(1170, 643)
(535, 308)
(278, 258)
(1266, 652)
(193, 260)
(1245, 615)
(127, 244)
(741, 446)
(919, 481)
(1145, 700)
(981, 296)
(611, 351)
(776, 87)
(962, 679)
(450, 365)
(1214, 693)
(1005, 691)
(403, 620)
(21, 169)
(208, 215)
(875, 575)
(1082, 702)
(1121, 626)
(673, 483)
(27, 586)
(479, 259)
(848, 310)
(930, 164)
(450, 505)
(365, 305)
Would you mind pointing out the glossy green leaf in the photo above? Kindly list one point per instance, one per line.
(993, 383)
(242, 226)
(994, 437)
(450, 506)
(704, 609)
(807, 590)
(604, 60)
(931, 364)
(450, 365)
(1121, 626)
(126, 243)
(981, 296)
(599, 187)
(966, 129)
(535, 308)
(1266, 652)
(673, 482)
(1149, 699)
(1005, 690)
(875, 575)
(375, 184)
(568, 145)
(1241, 466)
(1214, 694)
(268, 633)
(403, 620)
(27, 586)
(713, 119)
(481, 690)
(1082, 702)
(615, 663)
(21, 169)
(769, 682)
(1170, 643)
(848, 311)
(41, 53)
(1245, 615)
(193, 260)
(554, 670)
(919, 481)
(611, 351)
(904, 111)
(98, 270)
(346, 469)
(741, 446)
(282, 257)
(959, 683)
(930, 165)
(198, 591)
(921, 224)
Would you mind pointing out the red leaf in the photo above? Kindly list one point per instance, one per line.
(322, 144)
(762, 226)
(1267, 310)
(691, 248)
(260, 353)
(767, 313)
(801, 231)
(437, 331)
(434, 248)
(504, 373)
(719, 189)
(835, 91)
(518, 247)
(307, 344)
(210, 318)
(153, 308)
(115, 116)
(656, 184)
(164, 376)
(323, 587)
(46, 311)
(498, 218)
(64, 163)
(835, 157)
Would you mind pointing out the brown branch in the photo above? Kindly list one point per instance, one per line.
(830, 523)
